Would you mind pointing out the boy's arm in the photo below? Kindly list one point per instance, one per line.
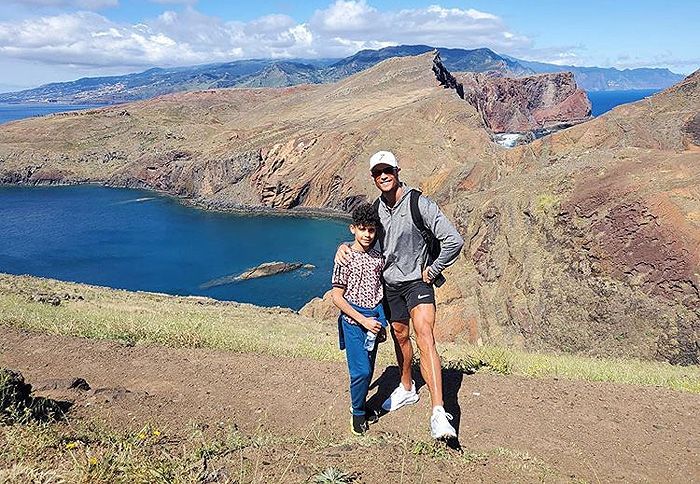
(338, 298)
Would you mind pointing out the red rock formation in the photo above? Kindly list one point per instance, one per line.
(510, 105)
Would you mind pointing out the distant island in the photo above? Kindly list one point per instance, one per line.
(282, 73)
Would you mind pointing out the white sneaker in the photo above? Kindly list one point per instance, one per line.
(401, 397)
(440, 427)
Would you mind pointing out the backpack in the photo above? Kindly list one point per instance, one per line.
(432, 242)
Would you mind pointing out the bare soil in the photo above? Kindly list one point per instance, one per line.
(529, 429)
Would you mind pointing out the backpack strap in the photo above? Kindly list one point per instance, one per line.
(416, 215)
(379, 238)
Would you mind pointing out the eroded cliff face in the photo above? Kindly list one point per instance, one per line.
(518, 105)
(591, 242)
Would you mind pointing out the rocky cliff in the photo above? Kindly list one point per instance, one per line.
(590, 241)
(586, 240)
(305, 146)
(517, 105)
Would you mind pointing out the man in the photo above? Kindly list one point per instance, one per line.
(408, 280)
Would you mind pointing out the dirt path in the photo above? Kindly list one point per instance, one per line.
(592, 431)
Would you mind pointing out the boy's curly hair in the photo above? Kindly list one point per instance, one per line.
(366, 216)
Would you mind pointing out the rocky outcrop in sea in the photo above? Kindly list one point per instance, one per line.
(265, 269)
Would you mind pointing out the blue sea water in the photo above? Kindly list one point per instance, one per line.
(13, 112)
(604, 101)
(137, 240)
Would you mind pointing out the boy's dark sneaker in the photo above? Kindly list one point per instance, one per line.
(358, 425)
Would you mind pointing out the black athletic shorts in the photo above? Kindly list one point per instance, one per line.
(400, 299)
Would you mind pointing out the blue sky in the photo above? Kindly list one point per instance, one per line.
(56, 40)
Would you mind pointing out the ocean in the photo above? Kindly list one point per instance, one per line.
(13, 112)
(604, 101)
(137, 240)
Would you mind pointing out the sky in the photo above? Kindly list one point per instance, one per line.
(45, 41)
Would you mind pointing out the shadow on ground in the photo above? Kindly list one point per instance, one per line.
(389, 379)
(17, 405)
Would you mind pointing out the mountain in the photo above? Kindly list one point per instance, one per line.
(475, 60)
(250, 147)
(283, 73)
(279, 73)
(544, 102)
(590, 240)
(158, 81)
(611, 79)
(249, 73)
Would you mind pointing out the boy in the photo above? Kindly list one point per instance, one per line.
(357, 292)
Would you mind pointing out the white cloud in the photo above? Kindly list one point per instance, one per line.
(434, 25)
(187, 36)
(471, 13)
(346, 16)
(93, 44)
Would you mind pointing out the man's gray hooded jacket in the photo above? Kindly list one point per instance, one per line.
(403, 246)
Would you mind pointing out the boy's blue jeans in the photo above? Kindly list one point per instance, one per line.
(360, 361)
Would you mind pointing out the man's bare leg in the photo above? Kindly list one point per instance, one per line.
(423, 316)
(404, 351)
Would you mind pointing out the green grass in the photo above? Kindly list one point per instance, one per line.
(333, 475)
(547, 365)
(132, 318)
(138, 318)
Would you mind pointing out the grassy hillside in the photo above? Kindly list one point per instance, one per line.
(147, 318)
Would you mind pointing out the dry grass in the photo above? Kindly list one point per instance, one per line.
(91, 452)
(136, 318)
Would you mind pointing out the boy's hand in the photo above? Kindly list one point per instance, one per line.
(426, 277)
(371, 324)
(342, 255)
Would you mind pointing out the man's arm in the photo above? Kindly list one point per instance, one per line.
(338, 298)
(342, 255)
(451, 242)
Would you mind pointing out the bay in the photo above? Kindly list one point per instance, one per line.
(137, 240)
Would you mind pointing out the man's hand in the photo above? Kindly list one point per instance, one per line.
(371, 324)
(426, 277)
(342, 255)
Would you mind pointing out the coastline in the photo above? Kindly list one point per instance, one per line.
(208, 205)
(204, 206)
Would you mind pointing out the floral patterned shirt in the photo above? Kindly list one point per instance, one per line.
(361, 278)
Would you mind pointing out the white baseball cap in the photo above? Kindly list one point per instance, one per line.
(383, 158)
